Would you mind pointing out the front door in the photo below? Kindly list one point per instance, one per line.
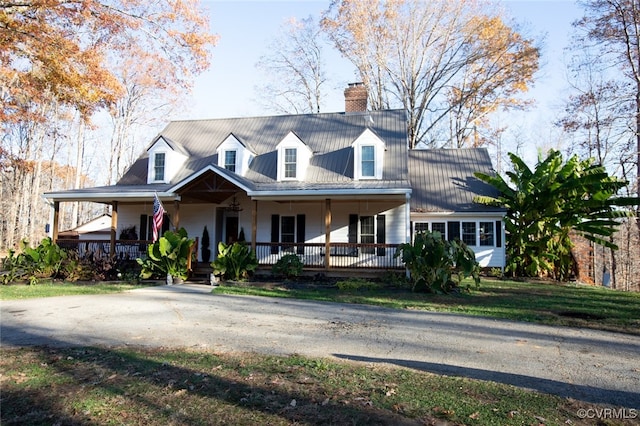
(231, 226)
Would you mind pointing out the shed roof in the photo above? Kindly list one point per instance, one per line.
(443, 180)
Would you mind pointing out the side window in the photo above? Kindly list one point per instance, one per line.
(486, 234)
(440, 227)
(453, 230)
(469, 233)
(158, 166)
(368, 161)
(230, 160)
(290, 160)
(421, 227)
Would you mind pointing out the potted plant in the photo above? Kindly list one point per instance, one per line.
(168, 256)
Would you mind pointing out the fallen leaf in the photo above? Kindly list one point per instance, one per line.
(474, 416)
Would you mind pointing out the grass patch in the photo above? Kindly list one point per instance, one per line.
(540, 302)
(58, 288)
(44, 386)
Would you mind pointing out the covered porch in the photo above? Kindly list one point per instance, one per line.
(334, 230)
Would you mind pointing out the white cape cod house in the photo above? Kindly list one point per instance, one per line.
(340, 190)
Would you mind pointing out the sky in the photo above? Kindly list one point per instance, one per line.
(246, 28)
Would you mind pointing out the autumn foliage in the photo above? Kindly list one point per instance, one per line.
(62, 51)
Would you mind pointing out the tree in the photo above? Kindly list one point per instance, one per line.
(613, 26)
(545, 204)
(294, 69)
(57, 63)
(60, 48)
(440, 60)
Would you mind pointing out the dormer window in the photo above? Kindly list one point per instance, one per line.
(368, 153)
(368, 161)
(293, 158)
(290, 163)
(234, 155)
(166, 159)
(230, 160)
(158, 166)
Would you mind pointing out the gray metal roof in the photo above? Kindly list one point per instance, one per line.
(443, 180)
(329, 136)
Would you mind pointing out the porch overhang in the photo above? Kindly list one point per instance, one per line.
(109, 197)
(314, 194)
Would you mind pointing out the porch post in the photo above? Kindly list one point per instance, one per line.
(254, 225)
(114, 226)
(56, 220)
(176, 213)
(327, 233)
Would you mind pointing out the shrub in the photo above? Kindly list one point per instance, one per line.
(47, 260)
(235, 261)
(433, 262)
(289, 266)
(167, 256)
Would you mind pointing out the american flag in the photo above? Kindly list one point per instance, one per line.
(158, 216)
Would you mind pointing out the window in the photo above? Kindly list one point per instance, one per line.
(146, 226)
(421, 227)
(486, 233)
(368, 161)
(367, 233)
(288, 231)
(230, 160)
(158, 166)
(469, 233)
(290, 156)
(440, 227)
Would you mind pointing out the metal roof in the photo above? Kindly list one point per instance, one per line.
(329, 136)
(443, 180)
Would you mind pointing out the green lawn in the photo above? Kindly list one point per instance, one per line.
(50, 288)
(547, 303)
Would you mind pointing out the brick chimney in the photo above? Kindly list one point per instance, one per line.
(355, 98)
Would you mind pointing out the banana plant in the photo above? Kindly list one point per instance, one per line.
(168, 256)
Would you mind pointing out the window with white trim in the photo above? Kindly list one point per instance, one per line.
(469, 233)
(290, 163)
(473, 233)
(486, 234)
(230, 160)
(159, 166)
(368, 161)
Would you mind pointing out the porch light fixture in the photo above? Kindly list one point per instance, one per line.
(234, 205)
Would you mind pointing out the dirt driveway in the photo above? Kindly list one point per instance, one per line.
(589, 365)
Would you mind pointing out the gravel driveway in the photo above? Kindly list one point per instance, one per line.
(589, 365)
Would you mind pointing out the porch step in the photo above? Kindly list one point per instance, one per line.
(201, 270)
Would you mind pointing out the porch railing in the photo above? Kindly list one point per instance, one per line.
(342, 255)
(125, 249)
